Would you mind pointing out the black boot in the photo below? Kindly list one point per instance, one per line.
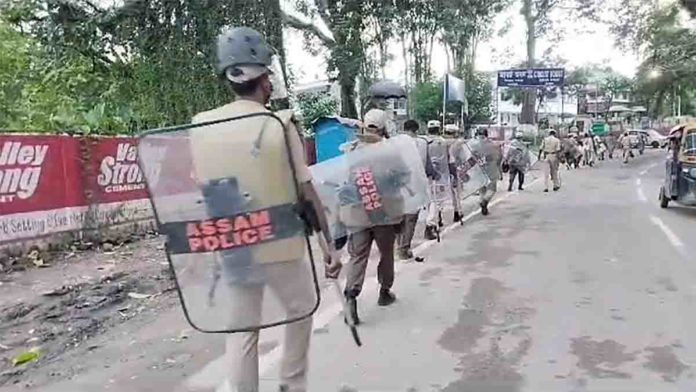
(353, 309)
(510, 188)
(386, 297)
(457, 216)
(430, 233)
(484, 208)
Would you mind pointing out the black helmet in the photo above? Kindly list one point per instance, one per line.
(242, 46)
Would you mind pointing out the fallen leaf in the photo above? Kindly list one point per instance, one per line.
(26, 357)
(139, 295)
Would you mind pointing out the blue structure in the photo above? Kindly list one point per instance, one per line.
(329, 134)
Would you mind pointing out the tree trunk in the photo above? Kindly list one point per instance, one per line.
(529, 100)
(347, 83)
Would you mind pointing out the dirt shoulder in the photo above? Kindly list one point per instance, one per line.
(62, 309)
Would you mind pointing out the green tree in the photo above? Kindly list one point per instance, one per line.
(427, 100)
(314, 106)
(666, 78)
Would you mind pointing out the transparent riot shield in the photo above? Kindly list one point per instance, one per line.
(373, 185)
(440, 188)
(226, 198)
(470, 176)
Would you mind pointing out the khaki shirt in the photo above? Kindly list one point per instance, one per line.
(551, 145)
(227, 149)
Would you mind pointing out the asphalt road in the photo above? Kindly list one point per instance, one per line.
(592, 288)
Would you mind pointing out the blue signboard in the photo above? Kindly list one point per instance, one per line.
(533, 77)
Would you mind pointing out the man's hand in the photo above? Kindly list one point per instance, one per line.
(332, 266)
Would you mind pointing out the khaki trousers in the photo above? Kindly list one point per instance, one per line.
(487, 192)
(551, 170)
(359, 245)
(292, 285)
(404, 239)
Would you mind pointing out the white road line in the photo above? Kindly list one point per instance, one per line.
(673, 238)
(639, 191)
(647, 169)
(322, 319)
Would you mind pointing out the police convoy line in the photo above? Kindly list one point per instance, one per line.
(213, 374)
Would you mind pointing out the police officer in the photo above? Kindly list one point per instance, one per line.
(439, 157)
(405, 238)
(451, 134)
(549, 151)
(244, 64)
(517, 158)
(360, 243)
(491, 157)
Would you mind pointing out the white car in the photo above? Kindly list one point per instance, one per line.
(656, 139)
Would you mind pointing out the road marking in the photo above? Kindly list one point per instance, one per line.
(673, 238)
(647, 169)
(639, 191)
(321, 319)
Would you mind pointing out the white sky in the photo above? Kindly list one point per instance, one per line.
(586, 43)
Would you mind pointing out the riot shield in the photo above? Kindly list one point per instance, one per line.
(373, 185)
(226, 197)
(470, 175)
(438, 151)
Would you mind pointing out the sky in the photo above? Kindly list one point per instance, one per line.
(585, 43)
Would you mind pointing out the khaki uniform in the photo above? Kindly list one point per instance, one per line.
(453, 143)
(439, 154)
(491, 157)
(408, 228)
(550, 148)
(282, 262)
(360, 244)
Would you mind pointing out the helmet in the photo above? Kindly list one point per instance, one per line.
(433, 124)
(242, 46)
(451, 128)
(376, 118)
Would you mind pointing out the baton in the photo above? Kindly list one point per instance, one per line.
(352, 325)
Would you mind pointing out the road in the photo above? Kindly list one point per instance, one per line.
(588, 289)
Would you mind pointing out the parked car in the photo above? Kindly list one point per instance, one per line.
(656, 139)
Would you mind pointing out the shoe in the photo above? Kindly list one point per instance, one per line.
(520, 188)
(556, 188)
(510, 188)
(546, 190)
(353, 309)
(484, 208)
(284, 388)
(405, 255)
(457, 216)
(419, 259)
(386, 298)
(430, 233)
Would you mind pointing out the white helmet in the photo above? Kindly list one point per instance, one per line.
(434, 124)
(451, 128)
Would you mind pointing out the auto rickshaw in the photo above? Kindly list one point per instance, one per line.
(680, 175)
